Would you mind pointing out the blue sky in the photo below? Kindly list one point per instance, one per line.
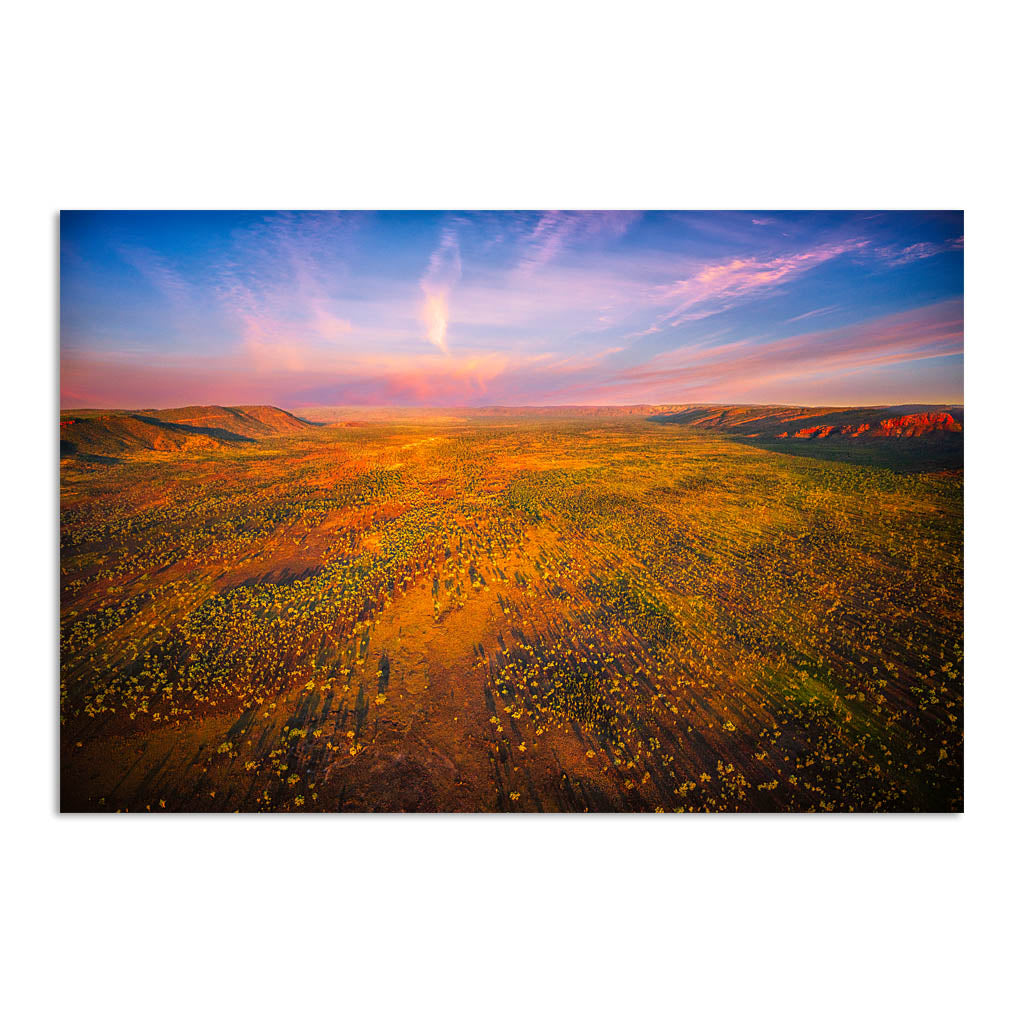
(509, 308)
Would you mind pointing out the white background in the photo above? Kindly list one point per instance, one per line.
(624, 105)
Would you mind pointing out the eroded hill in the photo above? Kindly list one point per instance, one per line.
(90, 434)
(243, 420)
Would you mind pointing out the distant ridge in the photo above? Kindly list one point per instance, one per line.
(722, 417)
(99, 434)
(808, 423)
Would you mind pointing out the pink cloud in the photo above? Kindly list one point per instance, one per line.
(135, 380)
(735, 370)
(277, 286)
(715, 288)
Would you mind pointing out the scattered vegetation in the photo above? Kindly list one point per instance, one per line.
(524, 614)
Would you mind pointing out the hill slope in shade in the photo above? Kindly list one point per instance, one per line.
(90, 433)
(120, 435)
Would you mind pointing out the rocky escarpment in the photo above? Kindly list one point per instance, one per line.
(809, 424)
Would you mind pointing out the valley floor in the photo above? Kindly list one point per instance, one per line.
(512, 615)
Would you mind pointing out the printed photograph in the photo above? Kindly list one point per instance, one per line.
(511, 511)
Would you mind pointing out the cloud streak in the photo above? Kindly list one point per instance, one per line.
(442, 273)
(752, 369)
(897, 256)
(718, 287)
(557, 231)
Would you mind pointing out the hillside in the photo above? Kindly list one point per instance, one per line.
(95, 434)
(808, 423)
(247, 421)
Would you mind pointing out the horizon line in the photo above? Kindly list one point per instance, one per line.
(575, 405)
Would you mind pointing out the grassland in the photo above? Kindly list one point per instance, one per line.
(511, 614)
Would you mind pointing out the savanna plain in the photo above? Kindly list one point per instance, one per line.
(635, 609)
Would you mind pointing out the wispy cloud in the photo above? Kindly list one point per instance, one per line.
(556, 231)
(738, 369)
(158, 273)
(276, 284)
(897, 256)
(442, 273)
(811, 312)
(718, 287)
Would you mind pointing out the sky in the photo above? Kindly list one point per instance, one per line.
(297, 309)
